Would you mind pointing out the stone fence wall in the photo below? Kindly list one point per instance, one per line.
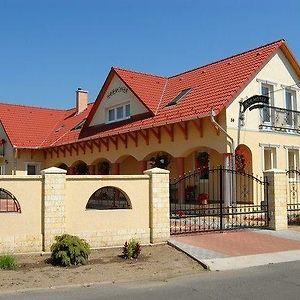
(55, 203)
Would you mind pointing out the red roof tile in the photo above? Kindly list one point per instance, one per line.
(212, 86)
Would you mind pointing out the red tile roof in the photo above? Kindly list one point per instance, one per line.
(213, 86)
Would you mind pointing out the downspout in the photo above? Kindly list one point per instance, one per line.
(232, 147)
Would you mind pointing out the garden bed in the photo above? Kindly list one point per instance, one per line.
(106, 265)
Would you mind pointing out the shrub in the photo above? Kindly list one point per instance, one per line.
(8, 262)
(132, 249)
(69, 250)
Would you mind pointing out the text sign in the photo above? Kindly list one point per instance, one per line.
(256, 99)
(120, 89)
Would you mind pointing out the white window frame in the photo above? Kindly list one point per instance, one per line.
(296, 158)
(292, 175)
(274, 147)
(270, 87)
(294, 103)
(114, 109)
(36, 164)
(2, 169)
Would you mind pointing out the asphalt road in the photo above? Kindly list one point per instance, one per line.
(278, 281)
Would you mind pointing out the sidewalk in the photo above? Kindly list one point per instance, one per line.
(240, 249)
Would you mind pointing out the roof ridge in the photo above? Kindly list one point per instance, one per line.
(228, 57)
(31, 106)
(139, 72)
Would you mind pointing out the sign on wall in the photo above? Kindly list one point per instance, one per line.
(120, 89)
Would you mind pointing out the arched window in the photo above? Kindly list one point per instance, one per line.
(108, 197)
(8, 202)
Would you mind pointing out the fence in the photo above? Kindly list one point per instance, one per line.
(105, 210)
(218, 199)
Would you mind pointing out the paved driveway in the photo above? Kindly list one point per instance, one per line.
(240, 249)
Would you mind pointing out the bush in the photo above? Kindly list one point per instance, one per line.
(132, 249)
(8, 262)
(69, 250)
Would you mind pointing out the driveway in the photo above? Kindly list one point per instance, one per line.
(238, 249)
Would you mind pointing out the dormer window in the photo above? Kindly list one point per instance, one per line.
(118, 113)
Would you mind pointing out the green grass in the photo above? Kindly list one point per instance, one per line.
(8, 262)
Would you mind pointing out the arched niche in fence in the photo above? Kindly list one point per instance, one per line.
(8, 202)
(109, 197)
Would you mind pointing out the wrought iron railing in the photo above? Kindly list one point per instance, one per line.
(224, 200)
(279, 119)
(293, 200)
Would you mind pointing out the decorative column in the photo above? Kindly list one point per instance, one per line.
(228, 188)
(277, 199)
(53, 205)
(115, 169)
(71, 170)
(142, 166)
(91, 169)
(159, 205)
(180, 172)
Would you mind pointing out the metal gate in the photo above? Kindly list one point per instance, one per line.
(293, 201)
(216, 200)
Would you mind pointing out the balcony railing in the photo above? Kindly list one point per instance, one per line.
(279, 119)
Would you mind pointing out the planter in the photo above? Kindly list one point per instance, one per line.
(203, 198)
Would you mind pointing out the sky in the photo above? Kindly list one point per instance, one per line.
(50, 48)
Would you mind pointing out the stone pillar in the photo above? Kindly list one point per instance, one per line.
(159, 205)
(115, 169)
(277, 199)
(53, 205)
(180, 172)
(91, 169)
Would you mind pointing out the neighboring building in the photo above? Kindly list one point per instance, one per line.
(137, 116)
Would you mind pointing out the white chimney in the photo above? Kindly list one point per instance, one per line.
(81, 100)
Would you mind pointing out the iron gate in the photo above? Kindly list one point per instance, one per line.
(293, 201)
(216, 200)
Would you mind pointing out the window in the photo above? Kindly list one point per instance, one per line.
(267, 90)
(108, 197)
(290, 104)
(179, 96)
(32, 168)
(269, 158)
(293, 159)
(118, 113)
(79, 125)
(8, 202)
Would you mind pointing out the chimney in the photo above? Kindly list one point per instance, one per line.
(81, 100)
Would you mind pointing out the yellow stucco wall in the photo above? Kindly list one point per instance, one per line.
(277, 72)
(108, 227)
(22, 232)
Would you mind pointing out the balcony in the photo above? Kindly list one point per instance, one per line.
(279, 119)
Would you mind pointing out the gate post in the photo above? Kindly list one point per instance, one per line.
(53, 205)
(277, 200)
(159, 215)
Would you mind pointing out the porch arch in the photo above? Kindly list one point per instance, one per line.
(80, 168)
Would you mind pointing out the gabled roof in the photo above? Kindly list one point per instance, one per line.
(212, 86)
(34, 127)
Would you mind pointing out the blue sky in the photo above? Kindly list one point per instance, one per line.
(49, 48)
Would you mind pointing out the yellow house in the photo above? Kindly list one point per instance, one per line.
(195, 119)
